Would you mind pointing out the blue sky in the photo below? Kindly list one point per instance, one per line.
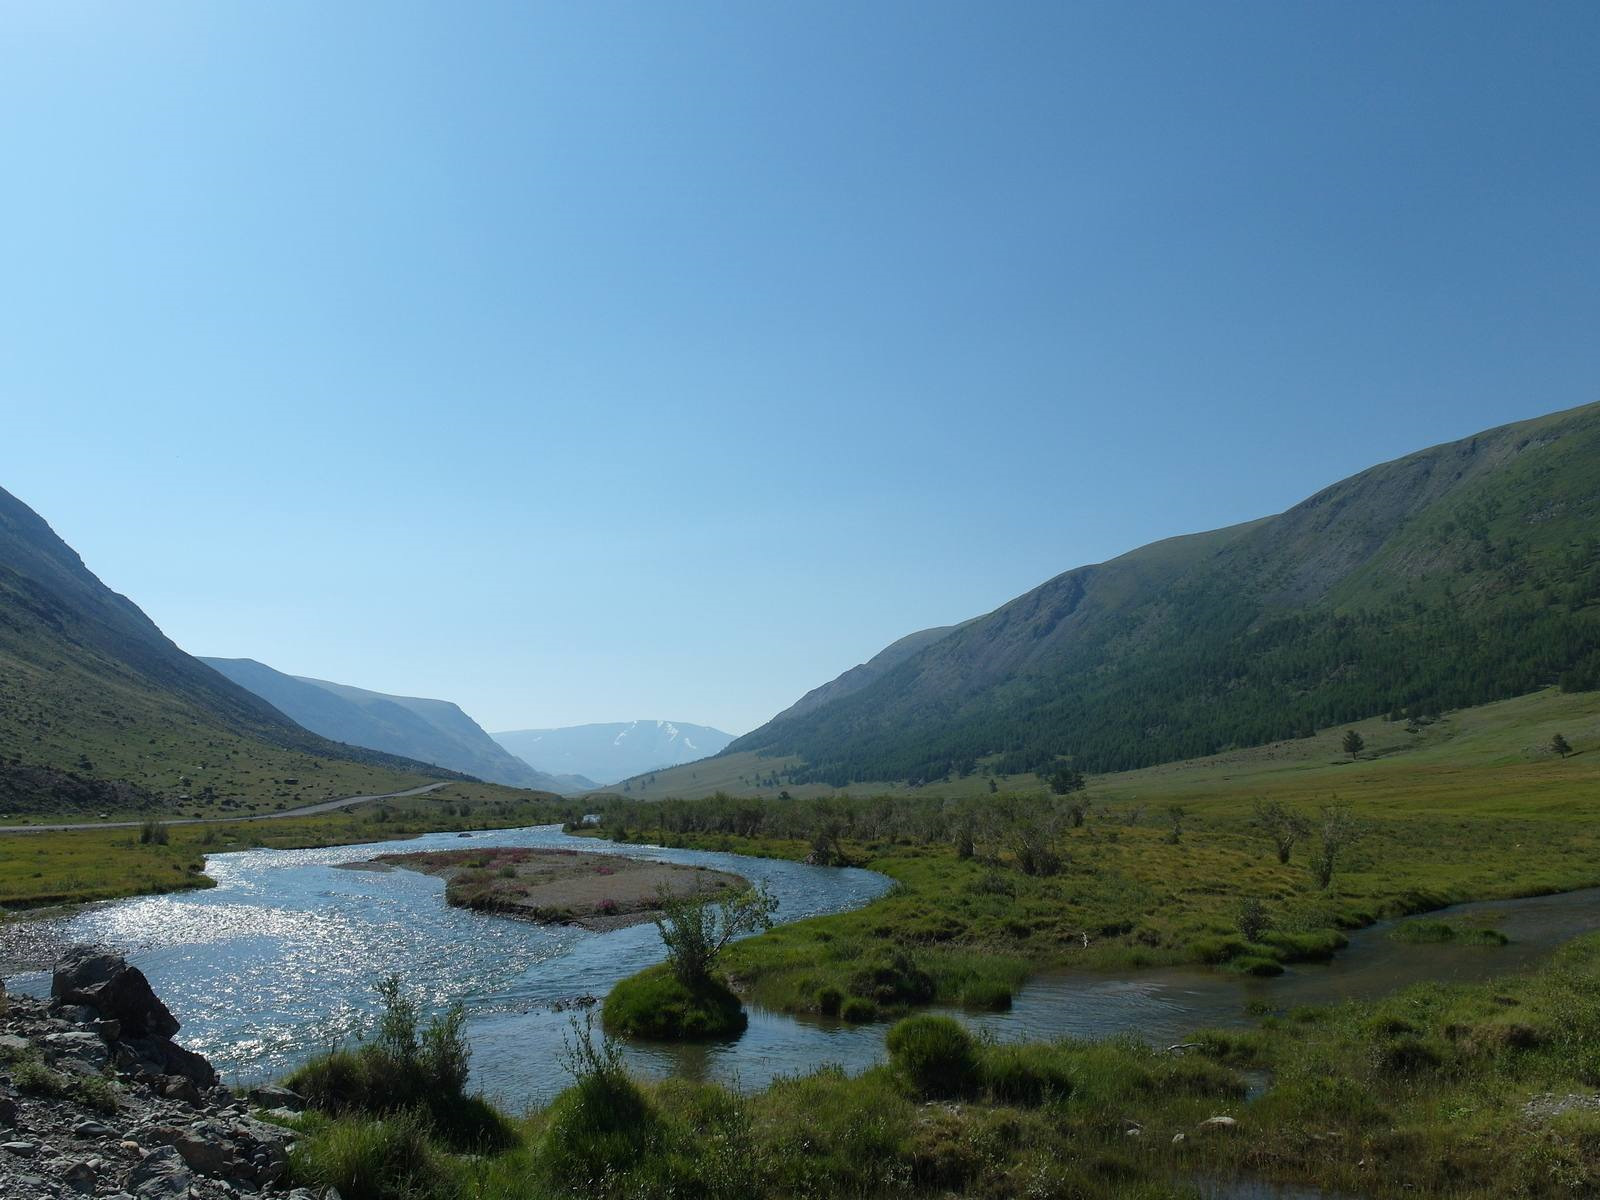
(598, 361)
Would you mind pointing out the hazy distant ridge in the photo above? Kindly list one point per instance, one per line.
(617, 750)
(433, 731)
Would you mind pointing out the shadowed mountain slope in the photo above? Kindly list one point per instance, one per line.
(88, 684)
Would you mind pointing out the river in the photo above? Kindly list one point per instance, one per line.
(278, 961)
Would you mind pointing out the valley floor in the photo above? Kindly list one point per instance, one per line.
(1464, 1092)
(48, 867)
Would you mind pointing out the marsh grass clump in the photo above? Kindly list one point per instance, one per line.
(153, 833)
(935, 1054)
(363, 1157)
(858, 1011)
(1418, 1090)
(602, 1125)
(986, 995)
(1027, 1076)
(657, 1005)
(1257, 965)
(1435, 933)
(406, 1067)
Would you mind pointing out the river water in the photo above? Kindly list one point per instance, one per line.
(278, 961)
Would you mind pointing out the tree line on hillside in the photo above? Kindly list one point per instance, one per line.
(1221, 675)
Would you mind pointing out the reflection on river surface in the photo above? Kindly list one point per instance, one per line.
(278, 961)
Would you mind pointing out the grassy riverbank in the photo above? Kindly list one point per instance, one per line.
(1469, 1092)
(1157, 866)
(99, 864)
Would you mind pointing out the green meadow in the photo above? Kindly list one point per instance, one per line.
(1160, 864)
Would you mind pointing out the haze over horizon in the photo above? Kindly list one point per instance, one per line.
(613, 363)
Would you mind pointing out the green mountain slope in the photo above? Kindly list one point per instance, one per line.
(432, 731)
(1458, 575)
(867, 673)
(90, 686)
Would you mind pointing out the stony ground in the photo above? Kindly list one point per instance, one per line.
(96, 1100)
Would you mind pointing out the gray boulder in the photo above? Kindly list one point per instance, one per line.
(268, 1095)
(163, 1175)
(106, 983)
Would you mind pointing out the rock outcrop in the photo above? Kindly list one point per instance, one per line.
(97, 1100)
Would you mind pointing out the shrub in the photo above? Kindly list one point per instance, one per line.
(600, 1126)
(696, 929)
(153, 833)
(829, 1001)
(30, 1075)
(935, 1053)
(657, 1004)
(406, 1069)
(1253, 919)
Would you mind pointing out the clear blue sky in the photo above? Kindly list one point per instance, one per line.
(598, 361)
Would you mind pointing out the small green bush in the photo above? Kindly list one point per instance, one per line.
(935, 1053)
(30, 1074)
(406, 1068)
(829, 1001)
(599, 1127)
(656, 1004)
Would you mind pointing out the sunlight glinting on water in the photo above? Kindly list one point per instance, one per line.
(279, 960)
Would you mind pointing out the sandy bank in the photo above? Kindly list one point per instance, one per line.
(559, 887)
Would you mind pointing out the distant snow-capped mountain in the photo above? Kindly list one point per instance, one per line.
(609, 752)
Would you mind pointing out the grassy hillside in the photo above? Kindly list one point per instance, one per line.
(1452, 577)
(90, 686)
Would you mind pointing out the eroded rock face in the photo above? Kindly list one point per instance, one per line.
(106, 983)
(127, 1113)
